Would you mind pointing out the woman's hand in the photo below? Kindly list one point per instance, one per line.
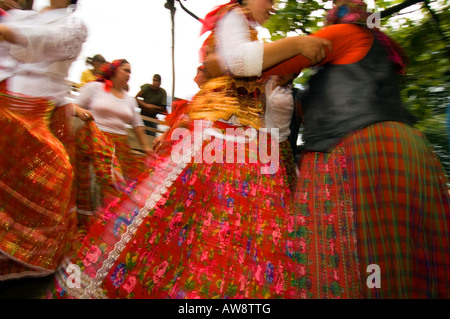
(148, 150)
(83, 114)
(214, 66)
(314, 48)
(157, 142)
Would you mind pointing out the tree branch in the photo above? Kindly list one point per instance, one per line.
(397, 8)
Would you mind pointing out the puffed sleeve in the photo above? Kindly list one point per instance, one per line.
(54, 41)
(242, 56)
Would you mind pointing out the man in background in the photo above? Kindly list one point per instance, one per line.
(153, 102)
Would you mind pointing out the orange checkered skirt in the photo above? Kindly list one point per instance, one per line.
(113, 165)
(35, 186)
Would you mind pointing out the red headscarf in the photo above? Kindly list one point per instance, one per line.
(355, 11)
(350, 11)
(107, 71)
(212, 17)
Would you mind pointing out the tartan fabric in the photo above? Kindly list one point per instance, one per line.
(402, 211)
(35, 185)
(324, 228)
(389, 191)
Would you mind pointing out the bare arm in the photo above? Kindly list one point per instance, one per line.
(277, 54)
(6, 34)
(142, 137)
(83, 114)
(311, 47)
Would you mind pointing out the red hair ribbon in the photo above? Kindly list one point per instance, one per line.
(107, 71)
(212, 17)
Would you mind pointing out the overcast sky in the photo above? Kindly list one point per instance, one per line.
(140, 31)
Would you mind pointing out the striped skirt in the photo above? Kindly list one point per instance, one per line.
(35, 187)
(373, 218)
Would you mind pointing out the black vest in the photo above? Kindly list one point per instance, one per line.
(341, 99)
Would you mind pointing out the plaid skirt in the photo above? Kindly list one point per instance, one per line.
(35, 188)
(373, 217)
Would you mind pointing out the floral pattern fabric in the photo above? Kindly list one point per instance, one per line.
(217, 230)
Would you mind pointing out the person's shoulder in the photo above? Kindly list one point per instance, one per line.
(93, 86)
(343, 29)
(129, 97)
(236, 13)
(16, 15)
(145, 88)
(232, 17)
(87, 72)
(22, 13)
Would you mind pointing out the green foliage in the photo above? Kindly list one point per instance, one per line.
(426, 85)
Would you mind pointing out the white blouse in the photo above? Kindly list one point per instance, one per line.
(110, 113)
(55, 39)
(7, 63)
(243, 57)
(279, 108)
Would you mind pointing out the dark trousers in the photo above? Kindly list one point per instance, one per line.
(152, 125)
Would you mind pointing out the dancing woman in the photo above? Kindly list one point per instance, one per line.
(102, 142)
(372, 207)
(198, 228)
(37, 223)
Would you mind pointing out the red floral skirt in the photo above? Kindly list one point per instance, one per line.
(193, 228)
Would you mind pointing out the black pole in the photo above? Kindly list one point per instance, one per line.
(188, 12)
(170, 4)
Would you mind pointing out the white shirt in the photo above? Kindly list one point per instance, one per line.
(111, 114)
(7, 63)
(242, 56)
(279, 108)
(55, 38)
